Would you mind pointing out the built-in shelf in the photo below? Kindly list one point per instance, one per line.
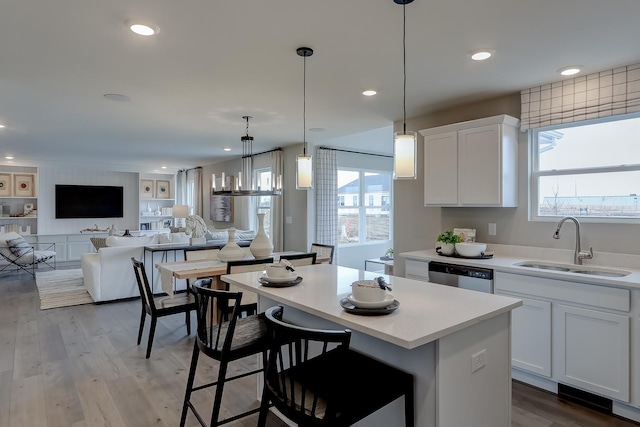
(11, 218)
(156, 216)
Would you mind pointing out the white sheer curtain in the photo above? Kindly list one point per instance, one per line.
(327, 199)
(603, 94)
(277, 215)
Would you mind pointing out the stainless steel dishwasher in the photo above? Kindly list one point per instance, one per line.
(461, 276)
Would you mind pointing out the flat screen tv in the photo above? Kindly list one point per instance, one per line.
(89, 201)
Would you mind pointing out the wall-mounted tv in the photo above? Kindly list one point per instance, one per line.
(89, 201)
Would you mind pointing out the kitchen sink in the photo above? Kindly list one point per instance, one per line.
(578, 269)
(543, 266)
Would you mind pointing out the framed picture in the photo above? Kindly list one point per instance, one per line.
(146, 189)
(145, 226)
(221, 208)
(23, 185)
(163, 189)
(5, 185)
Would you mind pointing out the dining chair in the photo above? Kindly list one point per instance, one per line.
(323, 250)
(314, 379)
(249, 304)
(226, 341)
(159, 306)
(299, 260)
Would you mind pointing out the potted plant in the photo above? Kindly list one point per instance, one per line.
(447, 242)
(389, 254)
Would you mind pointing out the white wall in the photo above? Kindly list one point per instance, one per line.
(50, 176)
(416, 227)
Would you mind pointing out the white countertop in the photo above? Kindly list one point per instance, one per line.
(506, 257)
(427, 312)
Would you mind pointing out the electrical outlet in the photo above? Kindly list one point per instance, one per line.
(478, 360)
(288, 220)
(492, 229)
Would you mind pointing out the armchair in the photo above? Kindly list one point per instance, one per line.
(18, 252)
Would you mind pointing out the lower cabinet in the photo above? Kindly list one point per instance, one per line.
(566, 331)
(593, 351)
(531, 337)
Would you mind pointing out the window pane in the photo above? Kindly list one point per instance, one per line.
(377, 187)
(590, 195)
(349, 187)
(602, 144)
(377, 224)
(349, 223)
(263, 179)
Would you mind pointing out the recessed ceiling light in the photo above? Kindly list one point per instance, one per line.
(481, 55)
(227, 149)
(570, 70)
(163, 167)
(117, 97)
(143, 29)
(1, 126)
(369, 92)
(8, 157)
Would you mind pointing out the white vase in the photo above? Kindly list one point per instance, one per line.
(261, 246)
(231, 251)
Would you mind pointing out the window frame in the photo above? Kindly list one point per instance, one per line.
(362, 208)
(535, 174)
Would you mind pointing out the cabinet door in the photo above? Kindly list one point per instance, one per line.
(531, 336)
(417, 270)
(480, 166)
(593, 351)
(441, 169)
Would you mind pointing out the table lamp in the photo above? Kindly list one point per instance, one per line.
(180, 212)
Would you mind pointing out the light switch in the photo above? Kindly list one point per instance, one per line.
(492, 229)
(288, 220)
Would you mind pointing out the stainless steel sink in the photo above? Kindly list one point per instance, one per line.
(543, 266)
(578, 269)
(606, 273)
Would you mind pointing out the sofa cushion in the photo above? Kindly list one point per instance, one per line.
(113, 241)
(19, 246)
(173, 238)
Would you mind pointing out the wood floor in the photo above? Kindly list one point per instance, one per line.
(80, 366)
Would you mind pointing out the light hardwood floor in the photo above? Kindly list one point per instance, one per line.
(80, 366)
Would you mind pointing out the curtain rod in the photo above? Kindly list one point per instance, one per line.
(355, 152)
(186, 170)
(263, 152)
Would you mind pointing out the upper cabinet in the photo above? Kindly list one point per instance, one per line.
(472, 163)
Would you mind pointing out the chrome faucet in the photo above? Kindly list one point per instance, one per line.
(579, 255)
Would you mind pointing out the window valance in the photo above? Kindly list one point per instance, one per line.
(607, 93)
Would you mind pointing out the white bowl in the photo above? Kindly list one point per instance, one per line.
(367, 291)
(279, 271)
(471, 249)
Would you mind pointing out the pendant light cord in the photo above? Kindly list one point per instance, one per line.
(304, 107)
(404, 67)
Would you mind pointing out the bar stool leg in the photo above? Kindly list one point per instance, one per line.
(190, 380)
(217, 401)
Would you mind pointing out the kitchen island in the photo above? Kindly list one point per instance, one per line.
(455, 342)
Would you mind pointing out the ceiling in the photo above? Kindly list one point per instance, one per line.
(213, 62)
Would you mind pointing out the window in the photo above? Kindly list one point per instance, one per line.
(362, 224)
(262, 178)
(587, 170)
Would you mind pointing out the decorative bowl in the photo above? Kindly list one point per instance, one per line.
(471, 249)
(367, 291)
(279, 271)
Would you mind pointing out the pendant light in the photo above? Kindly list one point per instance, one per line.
(404, 143)
(304, 164)
(242, 184)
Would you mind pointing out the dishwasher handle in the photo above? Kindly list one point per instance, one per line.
(461, 270)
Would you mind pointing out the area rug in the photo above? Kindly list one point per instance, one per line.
(61, 288)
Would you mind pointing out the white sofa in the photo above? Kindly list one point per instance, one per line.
(108, 274)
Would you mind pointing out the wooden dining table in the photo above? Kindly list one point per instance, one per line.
(198, 269)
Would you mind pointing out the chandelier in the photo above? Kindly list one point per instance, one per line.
(243, 184)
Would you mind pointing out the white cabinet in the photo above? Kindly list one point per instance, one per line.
(575, 333)
(472, 163)
(593, 351)
(531, 336)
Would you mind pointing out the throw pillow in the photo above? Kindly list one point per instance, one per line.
(19, 246)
